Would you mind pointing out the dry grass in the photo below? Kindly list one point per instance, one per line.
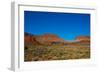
(56, 52)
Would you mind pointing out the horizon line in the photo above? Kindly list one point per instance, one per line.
(56, 35)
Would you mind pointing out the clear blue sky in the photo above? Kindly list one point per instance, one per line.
(65, 25)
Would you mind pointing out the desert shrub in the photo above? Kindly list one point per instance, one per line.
(26, 47)
(39, 51)
(27, 55)
(56, 52)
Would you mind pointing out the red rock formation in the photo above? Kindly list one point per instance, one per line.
(30, 39)
(49, 38)
(42, 39)
(83, 39)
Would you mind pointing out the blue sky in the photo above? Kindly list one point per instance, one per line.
(66, 25)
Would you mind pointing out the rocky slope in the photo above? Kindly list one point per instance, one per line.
(83, 39)
(42, 39)
(48, 39)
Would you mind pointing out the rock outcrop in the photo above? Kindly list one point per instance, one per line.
(46, 39)
(49, 39)
(83, 39)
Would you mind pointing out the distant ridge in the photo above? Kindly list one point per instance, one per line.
(83, 38)
(49, 39)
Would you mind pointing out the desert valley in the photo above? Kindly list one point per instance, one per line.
(51, 47)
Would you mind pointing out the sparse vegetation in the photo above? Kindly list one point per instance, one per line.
(56, 52)
(51, 47)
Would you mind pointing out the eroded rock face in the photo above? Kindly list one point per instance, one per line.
(30, 39)
(41, 39)
(48, 39)
(83, 39)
